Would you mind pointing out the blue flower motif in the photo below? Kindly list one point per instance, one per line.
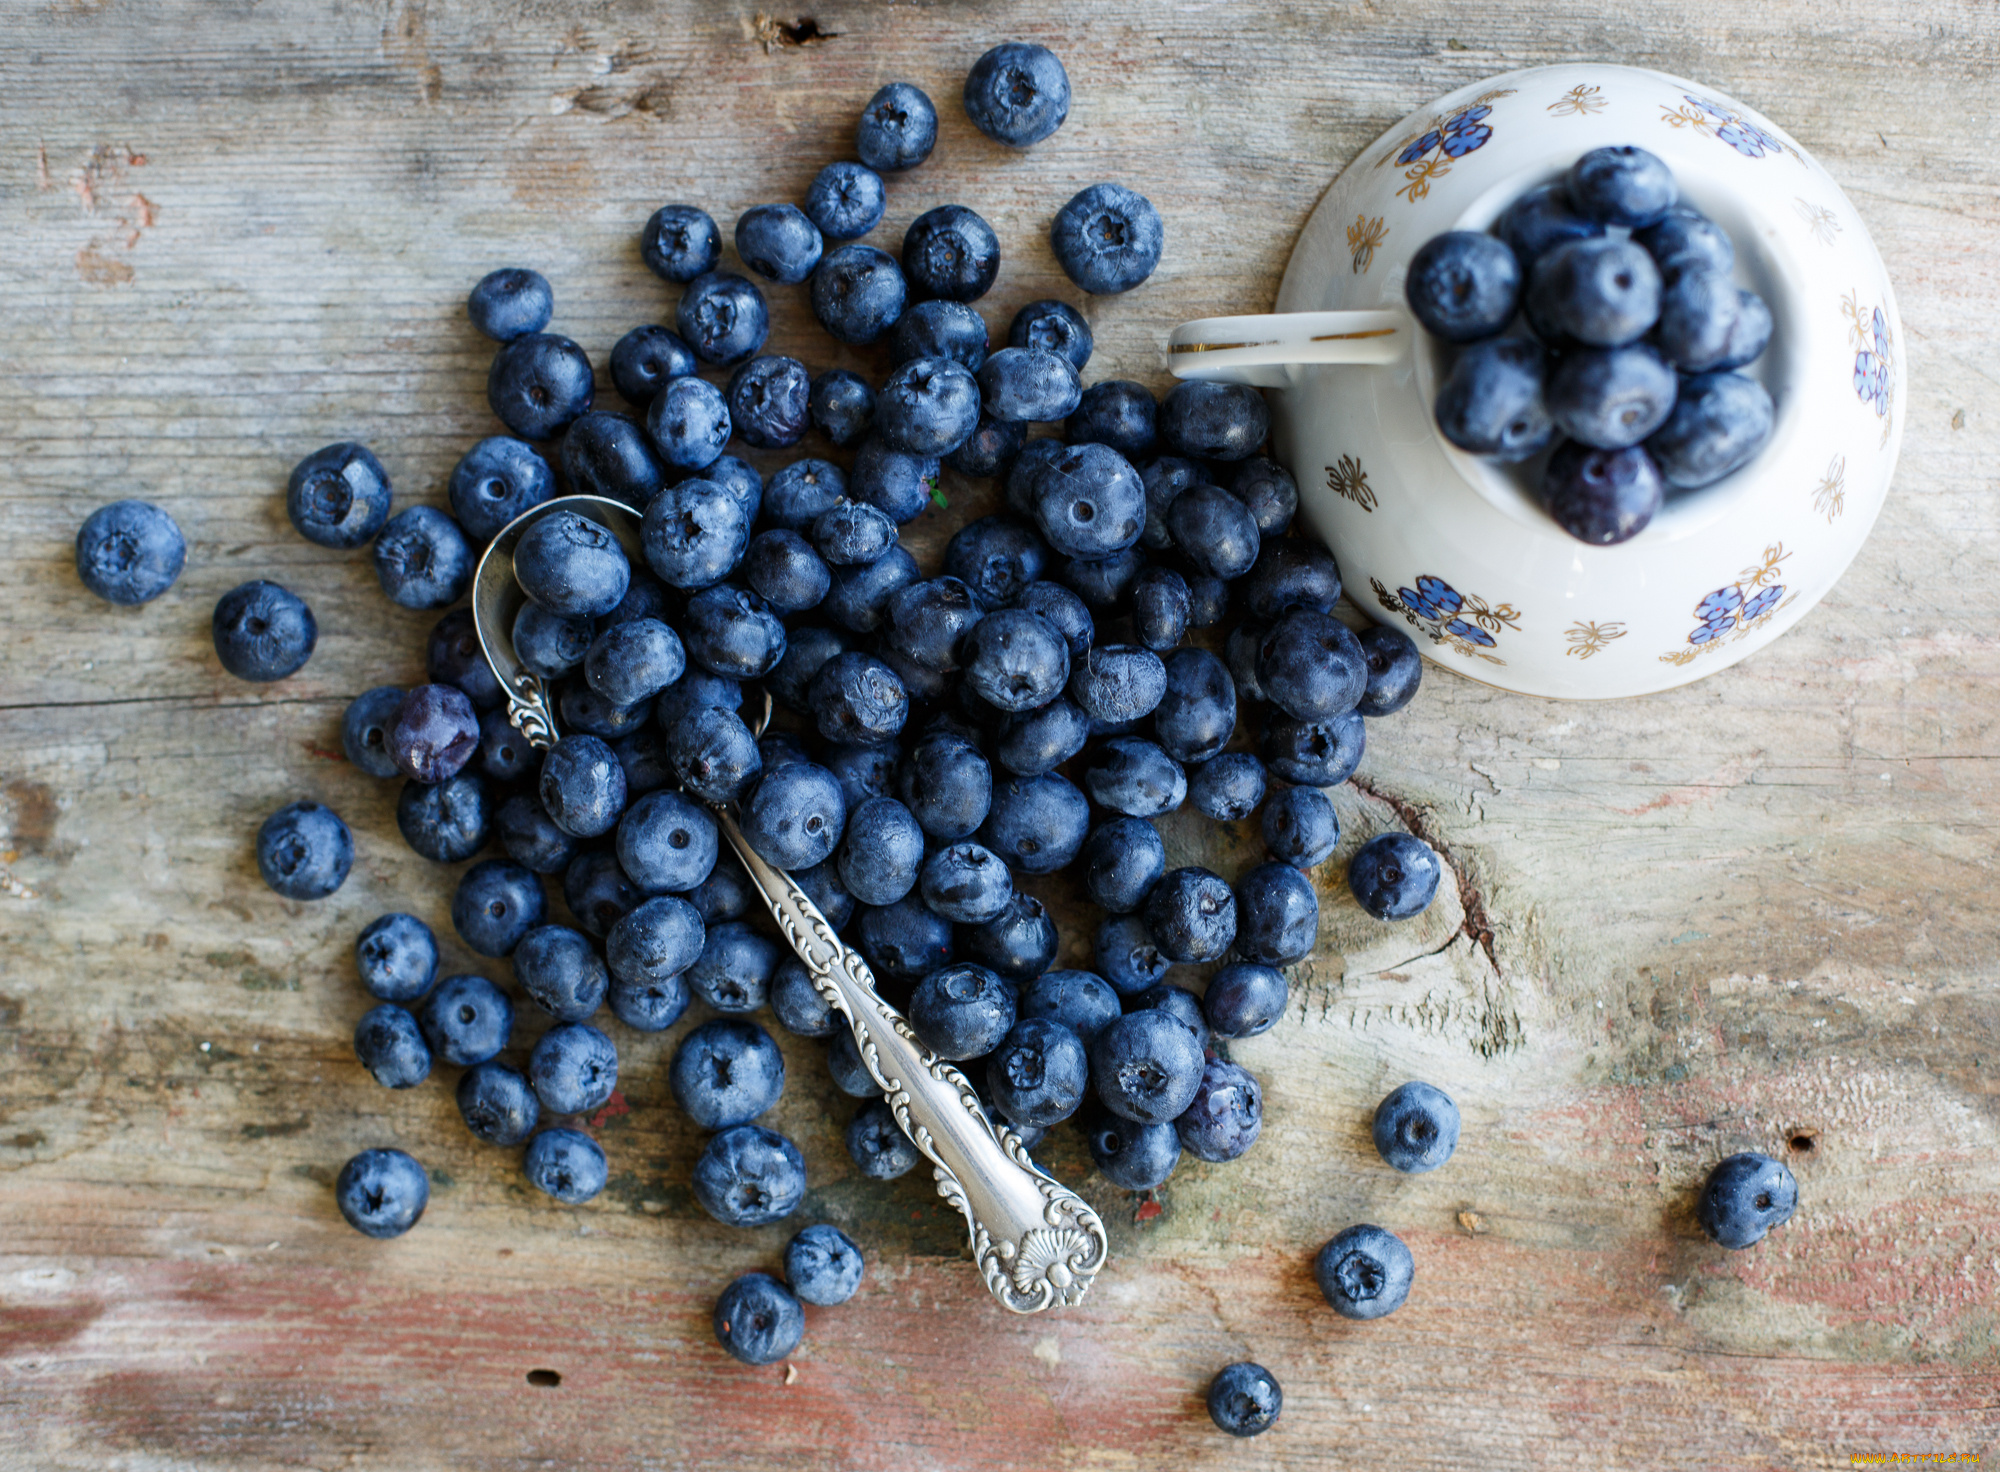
(1881, 335)
(1720, 606)
(1440, 594)
(1704, 632)
(1864, 374)
(1418, 149)
(1421, 606)
(1470, 633)
(1745, 137)
(1762, 603)
(1462, 121)
(1458, 145)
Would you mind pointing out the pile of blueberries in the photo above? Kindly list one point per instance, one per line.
(1635, 330)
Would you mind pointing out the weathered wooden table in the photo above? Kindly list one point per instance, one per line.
(1756, 913)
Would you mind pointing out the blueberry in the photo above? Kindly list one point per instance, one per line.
(694, 534)
(1698, 308)
(951, 253)
(1244, 1399)
(1227, 787)
(845, 201)
(1118, 413)
(434, 734)
(1214, 531)
(800, 1007)
(573, 1069)
(1038, 1073)
(965, 883)
(1017, 944)
(1268, 489)
(1289, 573)
(549, 644)
(853, 534)
(1196, 716)
(929, 406)
(1685, 239)
(1135, 777)
(723, 318)
(1146, 1066)
(666, 844)
(858, 293)
(1081, 1000)
(1364, 1272)
(382, 1193)
(466, 1020)
(1394, 876)
(561, 972)
(726, 894)
(364, 729)
(609, 455)
(1539, 221)
(731, 631)
(581, 708)
(823, 1266)
(863, 771)
(642, 754)
(1034, 457)
(1104, 583)
(304, 851)
(1491, 402)
(497, 902)
(1621, 185)
(1029, 384)
(690, 422)
(565, 1164)
(725, 1073)
(1191, 914)
(539, 385)
(131, 552)
(1717, 424)
(940, 329)
(1065, 611)
(1605, 496)
(1277, 916)
(1124, 953)
(496, 1104)
(779, 242)
(713, 752)
(1016, 660)
(596, 890)
(634, 661)
(856, 698)
(1395, 669)
(1315, 753)
(1107, 238)
(1745, 1197)
(1042, 740)
(1311, 666)
(997, 557)
(648, 1006)
(453, 656)
(895, 482)
(1244, 999)
(571, 565)
(582, 786)
(681, 242)
(1137, 1157)
(898, 129)
(904, 941)
(1416, 1127)
(928, 623)
(1226, 1115)
(962, 1011)
(733, 972)
(263, 632)
(1165, 478)
(1601, 292)
(1017, 94)
(654, 941)
(990, 449)
(769, 402)
(337, 497)
(840, 405)
(511, 302)
(1301, 827)
(644, 359)
(749, 1176)
(397, 958)
(808, 650)
(1036, 823)
(1123, 859)
(1463, 285)
(757, 1321)
(1179, 1003)
(794, 816)
(1749, 334)
(1054, 327)
(1214, 421)
(878, 1145)
(1118, 682)
(1609, 398)
(390, 1046)
(446, 822)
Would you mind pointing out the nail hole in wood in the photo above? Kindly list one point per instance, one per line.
(544, 1379)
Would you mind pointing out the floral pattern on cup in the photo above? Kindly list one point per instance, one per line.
(1363, 236)
(1347, 479)
(1733, 610)
(1830, 495)
(1462, 622)
(1711, 118)
(1580, 101)
(1874, 360)
(1428, 155)
(1586, 639)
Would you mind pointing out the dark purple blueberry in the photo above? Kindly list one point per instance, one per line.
(304, 851)
(337, 497)
(130, 552)
(1365, 1272)
(841, 406)
(1745, 1196)
(1301, 827)
(1123, 859)
(539, 385)
(940, 329)
(903, 942)
(1214, 531)
(1541, 220)
(734, 970)
(769, 401)
(689, 422)
(845, 200)
(454, 657)
(364, 729)
(855, 698)
(694, 534)
(823, 1266)
(1719, 422)
(951, 252)
(898, 129)
(1118, 413)
(858, 293)
(1604, 496)
(1277, 916)
(571, 565)
(853, 534)
(1196, 717)
(1395, 669)
(1244, 1399)
(1394, 876)
(1118, 682)
(1268, 489)
(1291, 572)
(878, 1145)
(965, 883)
(1244, 999)
(511, 302)
(1191, 914)
(1107, 238)
(1226, 1114)
(496, 1104)
(680, 243)
(1463, 285)
(1685, 239)
(1227, 787)
(1621, 185)
(928, 622)
(794, 815)
(1609, 398)
(1126, 956)
(565, 1164)
(1602, 292)
(1314, 753)
(962, 1012)
(1491, 403)
(446, 822)
(466, 1021)
(389, 1044)
(396, 958)
(1017, 944)
(1032, 385)
(263, 632)
(435, 733)
(723, 318)
(644, 359)
(929, 406)
(1214, 421)
(1416, 1127)
(725, 1073)
(1311, 665)
(779, 242)
(1055, 326)
(560, 971)
(382, 1193)
(1159, 598)
(573, 1069)
(1146, 1067)
(750, 1177)
(1137, 1157)
(990, 449)
(1017, 94)
(597, 892)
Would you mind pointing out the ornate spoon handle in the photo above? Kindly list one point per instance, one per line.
(1037, 1243)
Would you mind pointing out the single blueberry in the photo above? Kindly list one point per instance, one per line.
(1605, 496)
(853, 534)
(940, 329)
(565, 1164)
(1315, 753)
(961, 1011)
(694, 534)
(1214, 531)
(263, 632)
(1244, 1399)
(898, 129)
(1602, 292)
(689, 421)
(609, 455)
(511, 302)
(1244, 999)
(581, 708)
(1054, 326)
(337, 497)
(801, 493)
(653, 942)
(1107, 238)
(466, 1020)
(1277, 916)
(1289, 573)
(929, 406)
(1029, 384)
(845, 200)
(858, 293)
(769, 402)
(1137, 1157)
(550, 644)
(1685, 239)
(757, 1321)
(1016, 660)
(1609, 398)
(1066, 611)
(1118, 413)
(928, 623)
(644, 359)
(130, 552)
(571, 565)
(863, 771)
(1038, 1073)
(434, 734)
(1749, 334)
(1123, 859)
(573, 1069)
(561, 972)
(1227, 787)
(1214, 421)
(382, 1193)
(841, 406)
(878, 1145)
(794, 816)
(446, 822)
(1191, 913)
(539, 385)
(1394, 876)
(1491, 402)
(1395, 669)
(634, 661)
(596, 890)
(364, 729)
(1181, 1004)
(855, 698)
(1146, 1067)
(1463, 285)
(1041, 740)
(1037, 824)
(397, 958)
(723, 317)
(779, 242)
(798, 1003)
(1301, 827)
(749, 1176)
(531, 838)
(1718, 423)
(731, 631)
(1268, 489)
(1698, 309)
(642, 753)
(807, 652)
(823, 1265)
(389, 1044)
(950, 252)
(1364, 1272)
(304, 851)
(666, 844)
(733, 972)
(1311, 666)
(1135, 777)
(1539, 221)
(1118, 682)
(1196, 716)
(1017, 94)
(1017, 944)
(1226, 1114)
(966, 883)
(1746, 1195)
(1124, 954)
(1081, 1000)
(904, 941)
(1416, 1127)
(712, 751)
(1033, 458)
(497, 1104)
(497, 902)
(681, 242)
(725, 1073)
(1621, 185)
(725, 895)
(582, 786)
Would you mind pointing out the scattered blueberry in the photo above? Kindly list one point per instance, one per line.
(382, 1193)
(446, 822)
(1125, 955)
(666, 844)
(681, 242)
(768, 402)
(1244, 1399)
(1135, 1156)
(1134, 777)
(1277, 916)
(643, 360)
(858, 293)
(1160, 604)
(497, 902)
(1416, 1127)
(690, 423)
(1146, 1067)
(749, 1176)
(779, 242)
(1539, 221)
(845, 200)
(304, 851)
(561, 972)
(596, 890)
(1120, 413)
(434, 734)
(725, 1073)
(877, 1143)
(1395, 669)
(928, 406)
(389, 1044)
(609, 455)
(951, 252)
(1214, 531)
(1107, 238)
(694, 534)
(539, 385)
(1364, 1272)
(1196, 716)
(1268, 489)
(794, 816)
(397, 958)
(1215, 421)
(1490, 403)
(1602, 292)
(566, 1164)
(573, 1069)
(131, 552)
(511, 302)
(1621, 185)
(582, 786)
(1609, 398)
(898, 129)
(965, 883)
(1227, 787)
(1191, 913)
(1300, 827)
(1017, 944)
(263, 632)
(757, 1321)
(364, 729)
(1029, 384)
(998, 557)
(1017, 94)
(723, 317)
(1036, 823)
(823, 1265)
(497, 1104)
(1244, 999)
(733, 973)
(466, 1020)
(1394, 876)
(1745, 1197)
(337, 497)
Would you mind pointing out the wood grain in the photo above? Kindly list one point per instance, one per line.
(1754, 913)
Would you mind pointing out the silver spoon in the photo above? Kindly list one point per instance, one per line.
(1036, 1242)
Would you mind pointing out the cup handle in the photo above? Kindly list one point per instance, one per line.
(1259, 350)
